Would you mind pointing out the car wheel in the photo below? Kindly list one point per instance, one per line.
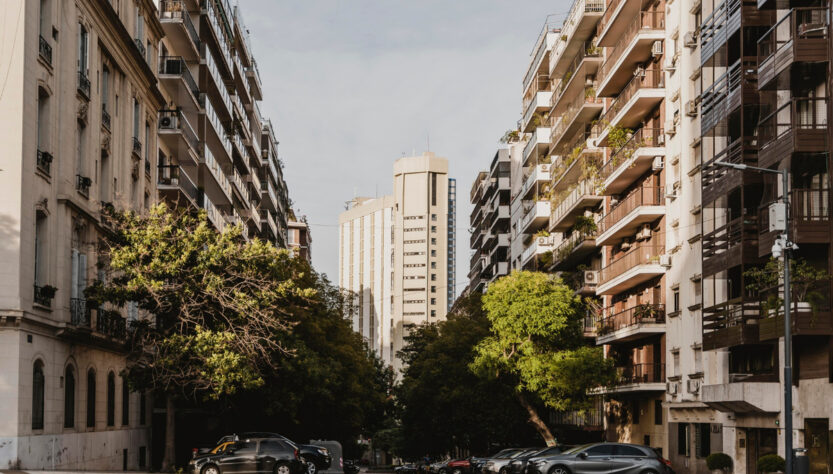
(311, 467)
(503, 470)
(457, 471)
(282, 468)
(559, 470)
(210, 469)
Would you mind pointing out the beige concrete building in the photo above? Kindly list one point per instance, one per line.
(299, 238)
(110, 104)
(394, 254)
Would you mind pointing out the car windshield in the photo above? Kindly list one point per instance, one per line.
(577, 449)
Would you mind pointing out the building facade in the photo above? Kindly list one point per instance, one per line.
(110, 104)
(489, 223)
(394, 254)
(299, 238)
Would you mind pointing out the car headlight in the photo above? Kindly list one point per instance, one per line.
(323, 451)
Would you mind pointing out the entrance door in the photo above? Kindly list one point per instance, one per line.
(816, 442)
(759, 442)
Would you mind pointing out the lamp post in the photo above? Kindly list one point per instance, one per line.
(784, 246)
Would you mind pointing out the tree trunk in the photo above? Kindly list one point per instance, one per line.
(169, 460)
(536, 420)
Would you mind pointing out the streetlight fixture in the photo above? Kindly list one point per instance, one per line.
(782, 246)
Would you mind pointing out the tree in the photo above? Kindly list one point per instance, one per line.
(220, 307)
(442, 404)
(536, 341)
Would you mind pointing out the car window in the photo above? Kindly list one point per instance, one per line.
(600, 450)
(622, 450)
(245, 447)
(549, 451)
(272, 446)
(577, 449)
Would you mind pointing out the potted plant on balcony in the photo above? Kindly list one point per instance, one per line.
(805, 279)
(645, 313)
(585, 225)
(48, 291)
(719, 462)
(510, 136)
(771, 463)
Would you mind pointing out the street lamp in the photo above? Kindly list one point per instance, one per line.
(781, 246)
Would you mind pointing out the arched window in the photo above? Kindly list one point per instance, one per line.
(125, 402)
(111, 399)
(37, 396)
(91, 398)
(69, 398)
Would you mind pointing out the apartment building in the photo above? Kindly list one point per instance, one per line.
(393, 254)
(300, 238)
(111, 104)
(489, 223)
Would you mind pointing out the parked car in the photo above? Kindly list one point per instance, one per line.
(404, 469)
(600, 458)
(439, 467)
(351, 467)
(499, 464)
(459, 466)
(519, 463)
(315, 458)
(255, 455)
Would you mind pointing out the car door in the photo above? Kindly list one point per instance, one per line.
(595, 459)
(627, 459)
(269, 453)
(241, 458)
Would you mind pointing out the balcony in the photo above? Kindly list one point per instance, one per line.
(218, 138)
(540, 56)
(239, 185)
(267, 220)
(578, 27)
(635, 46)
(583, 65)
(217, 19)
(718, 180)
(580, 197)
(539, 142)
(638, 265)
(730, 244)
(83, 85)
(175, 76)
(216, 90)
(642, 206)
(45, 50)
(43, 295)
(176, 186)
(538, 103)
(743, 397)
(44, 162)
(79, 313)
(177, 134)
(540, 174)
(645, 377)
(535, 217)
(800, 36)
(82, 184)
(809, 220)
(575, 115)
(110, 324)
(644, 92)
(179, 29)
(798, 126)
(255, 84)
(632, 159)
(573, 250)
(642, 320)
(212, 212)
(738, 85)
(536, 250)
(269, 198)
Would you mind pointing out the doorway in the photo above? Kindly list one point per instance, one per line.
(759, 442)
(816, 442)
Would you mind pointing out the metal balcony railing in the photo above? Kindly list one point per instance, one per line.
(176, 120)
(79, 313)
(800, 113)
(653, 78)
(177, 10)
(176, 66)
(45, 50)
(174, 175)
(111, 324)
(639, 255)
(83, 84)
(641, 373)
(797, 25)
(644, 137)
(642, 196)
(644, 21)
(648, 313)
(44, 162)
(43, 295)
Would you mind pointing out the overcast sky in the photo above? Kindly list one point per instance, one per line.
(352, 85)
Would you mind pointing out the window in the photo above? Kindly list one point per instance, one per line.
(601, 450)
(105, 88)
(433, 289)
(433, 313)
(140, 26)
(81, 147)
(682, 439)
(631, 451)
(83, 50)
(43, 120)
(433, 265)
(91, 398)
(434, 217)
(245, 447)
(433, 253)
(37, 396)
(125, 402)
(79, 274)
(135, 118)
(44, 18)
(676, 300)
(273, 446)
(676, 361)
(111, 399)
(147, 144)
(132, 311)
(433, 229)
(433, 189)
(40, 246)
(702, 440)
(433, 241)
(657, 412)
(142, 408)
(69, 398)
(433, 300)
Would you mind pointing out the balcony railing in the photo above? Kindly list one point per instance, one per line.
(810, 205)
(105, 117)
(111, 324)
(83, 183)
(639, 255)
(540, 48)
(176, 66)
(644, 21)
(176, 120)
(587, 97)
(83, 85)
(562, 206)
(588, 50)
(646, 313)
(799, 24)
(137, 147)
(217, 171)
(140, 46)
(642, 196)
(640, 373)
(804, 113)
(45, 50)
(609, 10)
(567, 246)
(177, 10)
(730, 235)
(173, 175)
(644, 137)
(43, 295)
(44, 162)
(653, 78)
(715, 22)
(79, 313)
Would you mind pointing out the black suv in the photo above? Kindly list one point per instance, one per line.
(315, 458)
(252, 455)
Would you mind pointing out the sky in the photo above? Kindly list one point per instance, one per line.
(353, 85)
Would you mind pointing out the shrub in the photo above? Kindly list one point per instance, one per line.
(719, 461)
(771, 463)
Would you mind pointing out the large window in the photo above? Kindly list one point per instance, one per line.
(69, 398)
(111, 399)
(91, 398)
(125, 402)
(40, 246)
(43, 120)
(83, 50)
(105, 88)
(38, 384)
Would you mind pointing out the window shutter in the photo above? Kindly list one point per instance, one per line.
(82, 274)
(74, 286)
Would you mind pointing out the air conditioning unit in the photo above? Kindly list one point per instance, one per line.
(694, 385)
(673, 388)
(543, 240)
(690, 40)
(665, 260)
(591, 277)
(691, 108)
(657, 164)
(670, 127)
(626, 244)
(644, 233)
(656, 49)
(639, 71)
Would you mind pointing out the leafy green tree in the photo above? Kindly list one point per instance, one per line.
(221, 307)
(536, 341)
(442, 404)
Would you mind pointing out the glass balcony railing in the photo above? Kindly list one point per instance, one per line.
(653, 78)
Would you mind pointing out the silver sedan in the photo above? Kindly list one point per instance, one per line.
(603, 458)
